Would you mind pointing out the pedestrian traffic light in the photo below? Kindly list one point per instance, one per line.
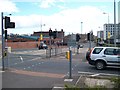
(9, 24)
(77, 37)
(50, 32)
(88, 36)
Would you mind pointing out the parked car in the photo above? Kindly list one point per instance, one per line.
(101, 57)
(42, 46)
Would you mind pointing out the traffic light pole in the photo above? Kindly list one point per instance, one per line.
(3, 42)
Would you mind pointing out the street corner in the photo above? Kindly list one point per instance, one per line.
(66, 82)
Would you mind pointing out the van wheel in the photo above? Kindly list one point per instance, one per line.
(100, 65)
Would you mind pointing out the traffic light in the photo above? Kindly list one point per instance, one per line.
(88, 36)
(9, 24)
(50, 32)
(77, 37)
(5, 34)
(54, 34)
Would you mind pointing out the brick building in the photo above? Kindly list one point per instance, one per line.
(46, 37)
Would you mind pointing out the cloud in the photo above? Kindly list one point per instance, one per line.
(69, 20)
(47, 3)
(8, 6)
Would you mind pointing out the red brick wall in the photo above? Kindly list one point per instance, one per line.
(15, 45)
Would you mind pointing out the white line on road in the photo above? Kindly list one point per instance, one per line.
(32, 65)
(95, 75)
(108, 74)
(28, 67)
(58, 87)
(21, 58)
(78, 80)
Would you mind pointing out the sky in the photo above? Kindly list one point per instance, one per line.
(73, 16)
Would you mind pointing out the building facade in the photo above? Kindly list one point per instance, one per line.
(46, 38)
(109, 28)
(119, 12)
(100, 34)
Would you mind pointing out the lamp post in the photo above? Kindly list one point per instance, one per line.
(3, 42)
(81, 27)
(108, 34)
(114, 23)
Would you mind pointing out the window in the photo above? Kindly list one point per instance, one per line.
(111, 51)
(97, 50)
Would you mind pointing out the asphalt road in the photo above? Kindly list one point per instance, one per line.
(28, 69)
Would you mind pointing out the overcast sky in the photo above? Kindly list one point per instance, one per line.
(58, 14)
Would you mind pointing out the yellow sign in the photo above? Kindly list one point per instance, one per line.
(41, 37)
(108, 35)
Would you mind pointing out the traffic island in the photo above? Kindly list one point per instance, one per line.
(88, 82)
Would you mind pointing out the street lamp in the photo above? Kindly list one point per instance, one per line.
(81, 27)
(108, 16)
(41, 36)
(114, 23)
(108, 34)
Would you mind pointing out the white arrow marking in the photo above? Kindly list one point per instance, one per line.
(21, 58)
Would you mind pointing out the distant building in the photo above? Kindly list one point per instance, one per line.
(46, 37)
(119, 12)
(100, 34)
(109, 28)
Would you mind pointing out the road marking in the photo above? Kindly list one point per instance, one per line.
(28, 67)
(95, 75)
(68, 80)
(108, 74)
(24, 68)
(32, 65)
(2, 71)
(78, 80)
(72, 69)
(39, 63)
(15, 63)
(21, 58)
(58, 87)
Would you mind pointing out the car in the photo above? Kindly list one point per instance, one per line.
(42, 46)
(101, 57)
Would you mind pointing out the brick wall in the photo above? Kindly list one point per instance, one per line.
(22, 45)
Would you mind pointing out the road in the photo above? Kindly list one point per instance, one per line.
(28, 69)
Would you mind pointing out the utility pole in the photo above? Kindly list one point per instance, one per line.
(114, 23)
(3, 42)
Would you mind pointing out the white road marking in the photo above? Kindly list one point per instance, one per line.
(2, 71)
(108, 74)
(78, 80)
(24, 68)
(58, 87)
(72, 69)
(39, 63)
(28, 67)
(32, 65)
(21, 58)
(95, 75)
(68, 80)
(15, 63)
